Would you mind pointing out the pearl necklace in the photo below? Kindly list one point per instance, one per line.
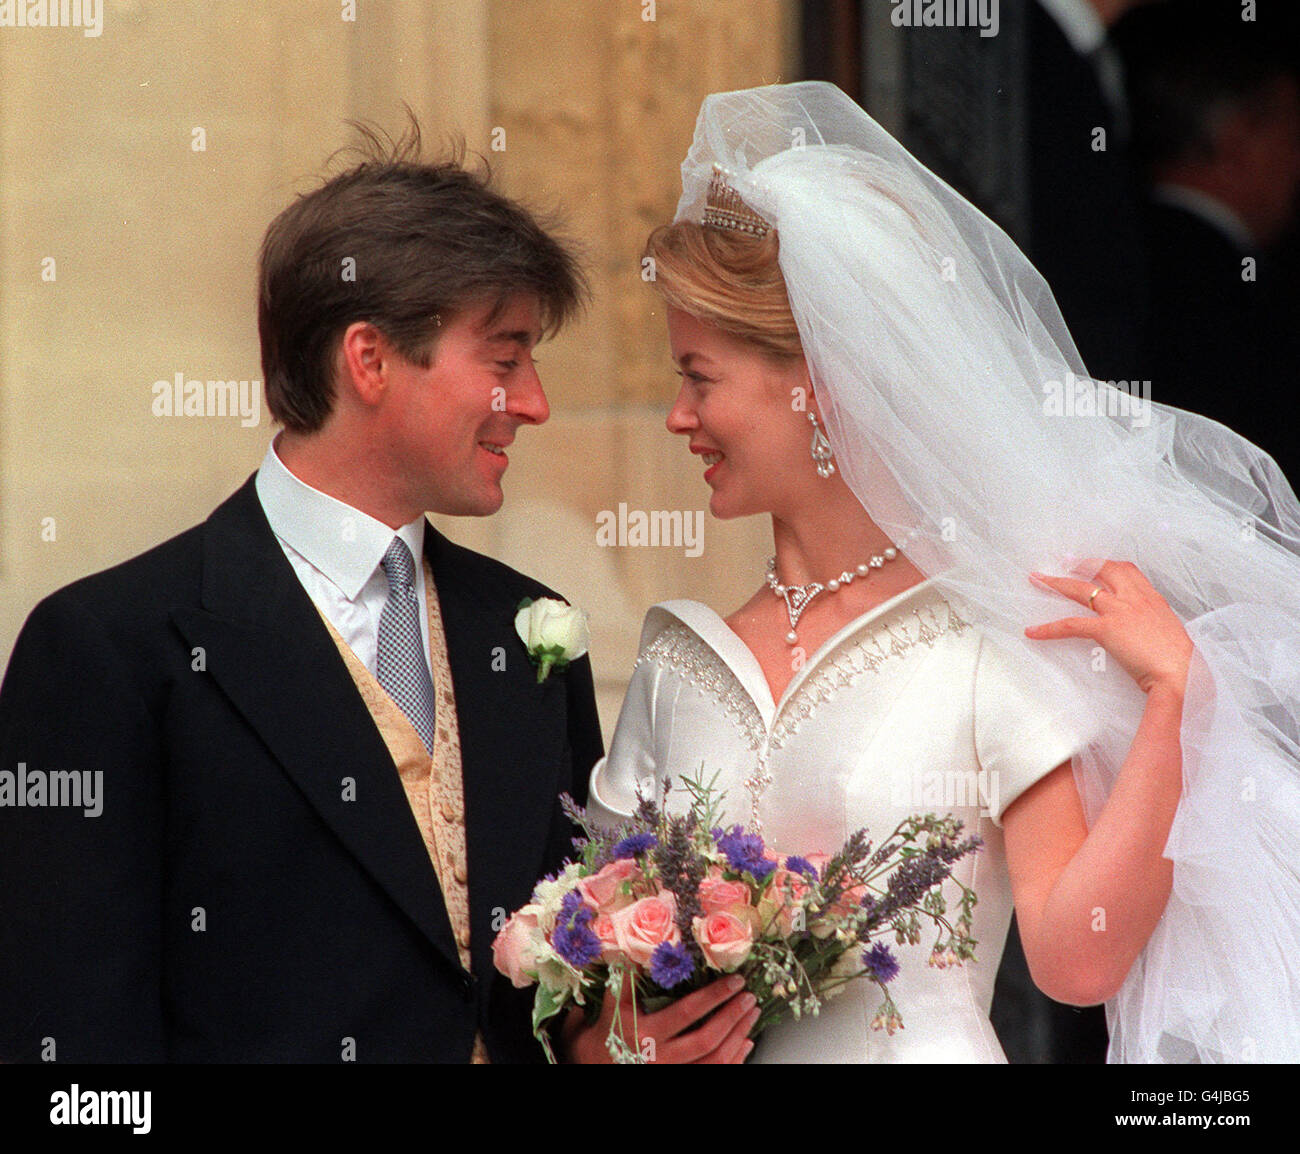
(798, 597)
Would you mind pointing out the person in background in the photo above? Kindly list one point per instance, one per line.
(1216, 112)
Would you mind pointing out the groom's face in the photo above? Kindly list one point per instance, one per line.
(447, 427)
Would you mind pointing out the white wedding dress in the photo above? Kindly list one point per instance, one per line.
(907, 709)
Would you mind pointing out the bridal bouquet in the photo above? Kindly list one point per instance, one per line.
(669, 903)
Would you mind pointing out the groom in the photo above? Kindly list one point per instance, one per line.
(323, 770)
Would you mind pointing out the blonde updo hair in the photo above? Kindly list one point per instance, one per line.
(729, 280)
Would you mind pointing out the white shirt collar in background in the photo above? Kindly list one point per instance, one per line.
(1079, 21)
(1209, 209)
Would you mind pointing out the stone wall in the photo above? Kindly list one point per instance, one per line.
(139, 167)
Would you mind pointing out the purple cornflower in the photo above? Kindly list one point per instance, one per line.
(573, 938)
(634, 845)
(670, 965)
(880, 963)
(745, 852)
(801, 865)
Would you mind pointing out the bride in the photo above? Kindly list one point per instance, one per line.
(872, 363)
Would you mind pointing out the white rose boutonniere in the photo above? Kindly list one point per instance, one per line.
(553, 633)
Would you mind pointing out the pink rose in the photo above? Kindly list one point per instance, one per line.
(516, 949)
(819, 862)
(602, 925)
(640, 927)
(725, 939)
(605, 890)
(851, 898)
(782, 898)
(787, 882)
(717, 895)
(848, 901)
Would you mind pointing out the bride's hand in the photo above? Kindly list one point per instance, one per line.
(1130, 620)
(674, 1034)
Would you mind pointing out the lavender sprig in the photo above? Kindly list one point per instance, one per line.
(681, 869)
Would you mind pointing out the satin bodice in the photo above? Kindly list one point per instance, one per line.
(907, 709)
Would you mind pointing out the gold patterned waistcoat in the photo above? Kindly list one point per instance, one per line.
(432, 783)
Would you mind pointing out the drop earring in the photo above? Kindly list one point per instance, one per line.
(821, 449)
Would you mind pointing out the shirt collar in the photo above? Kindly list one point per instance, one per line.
(343, 543)
(1079, 23)
(1209, 209)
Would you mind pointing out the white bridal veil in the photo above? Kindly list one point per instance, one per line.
(957, 405)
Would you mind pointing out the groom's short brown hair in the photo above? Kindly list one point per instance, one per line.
(405, 245)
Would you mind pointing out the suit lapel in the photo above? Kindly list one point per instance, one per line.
(268, 650)
(512, 733)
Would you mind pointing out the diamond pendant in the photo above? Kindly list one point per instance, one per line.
(796, 598)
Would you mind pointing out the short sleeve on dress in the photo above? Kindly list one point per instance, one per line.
(1024, 726)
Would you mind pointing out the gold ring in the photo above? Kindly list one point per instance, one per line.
(1094, 594)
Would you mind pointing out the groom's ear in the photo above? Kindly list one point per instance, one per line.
(364, 358)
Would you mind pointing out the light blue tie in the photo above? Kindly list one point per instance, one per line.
(400, 665)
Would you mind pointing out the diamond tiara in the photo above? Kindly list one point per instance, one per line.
(724, 208)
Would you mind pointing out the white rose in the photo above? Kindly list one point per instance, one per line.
(520, 947)
(548, 896)
(555, 633)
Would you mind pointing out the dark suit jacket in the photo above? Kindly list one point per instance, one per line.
(1084, 230)
(256, 888)
(1218, 344)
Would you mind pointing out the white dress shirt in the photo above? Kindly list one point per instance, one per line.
(336, 552)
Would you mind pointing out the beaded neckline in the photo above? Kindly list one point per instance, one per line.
(862, 646)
